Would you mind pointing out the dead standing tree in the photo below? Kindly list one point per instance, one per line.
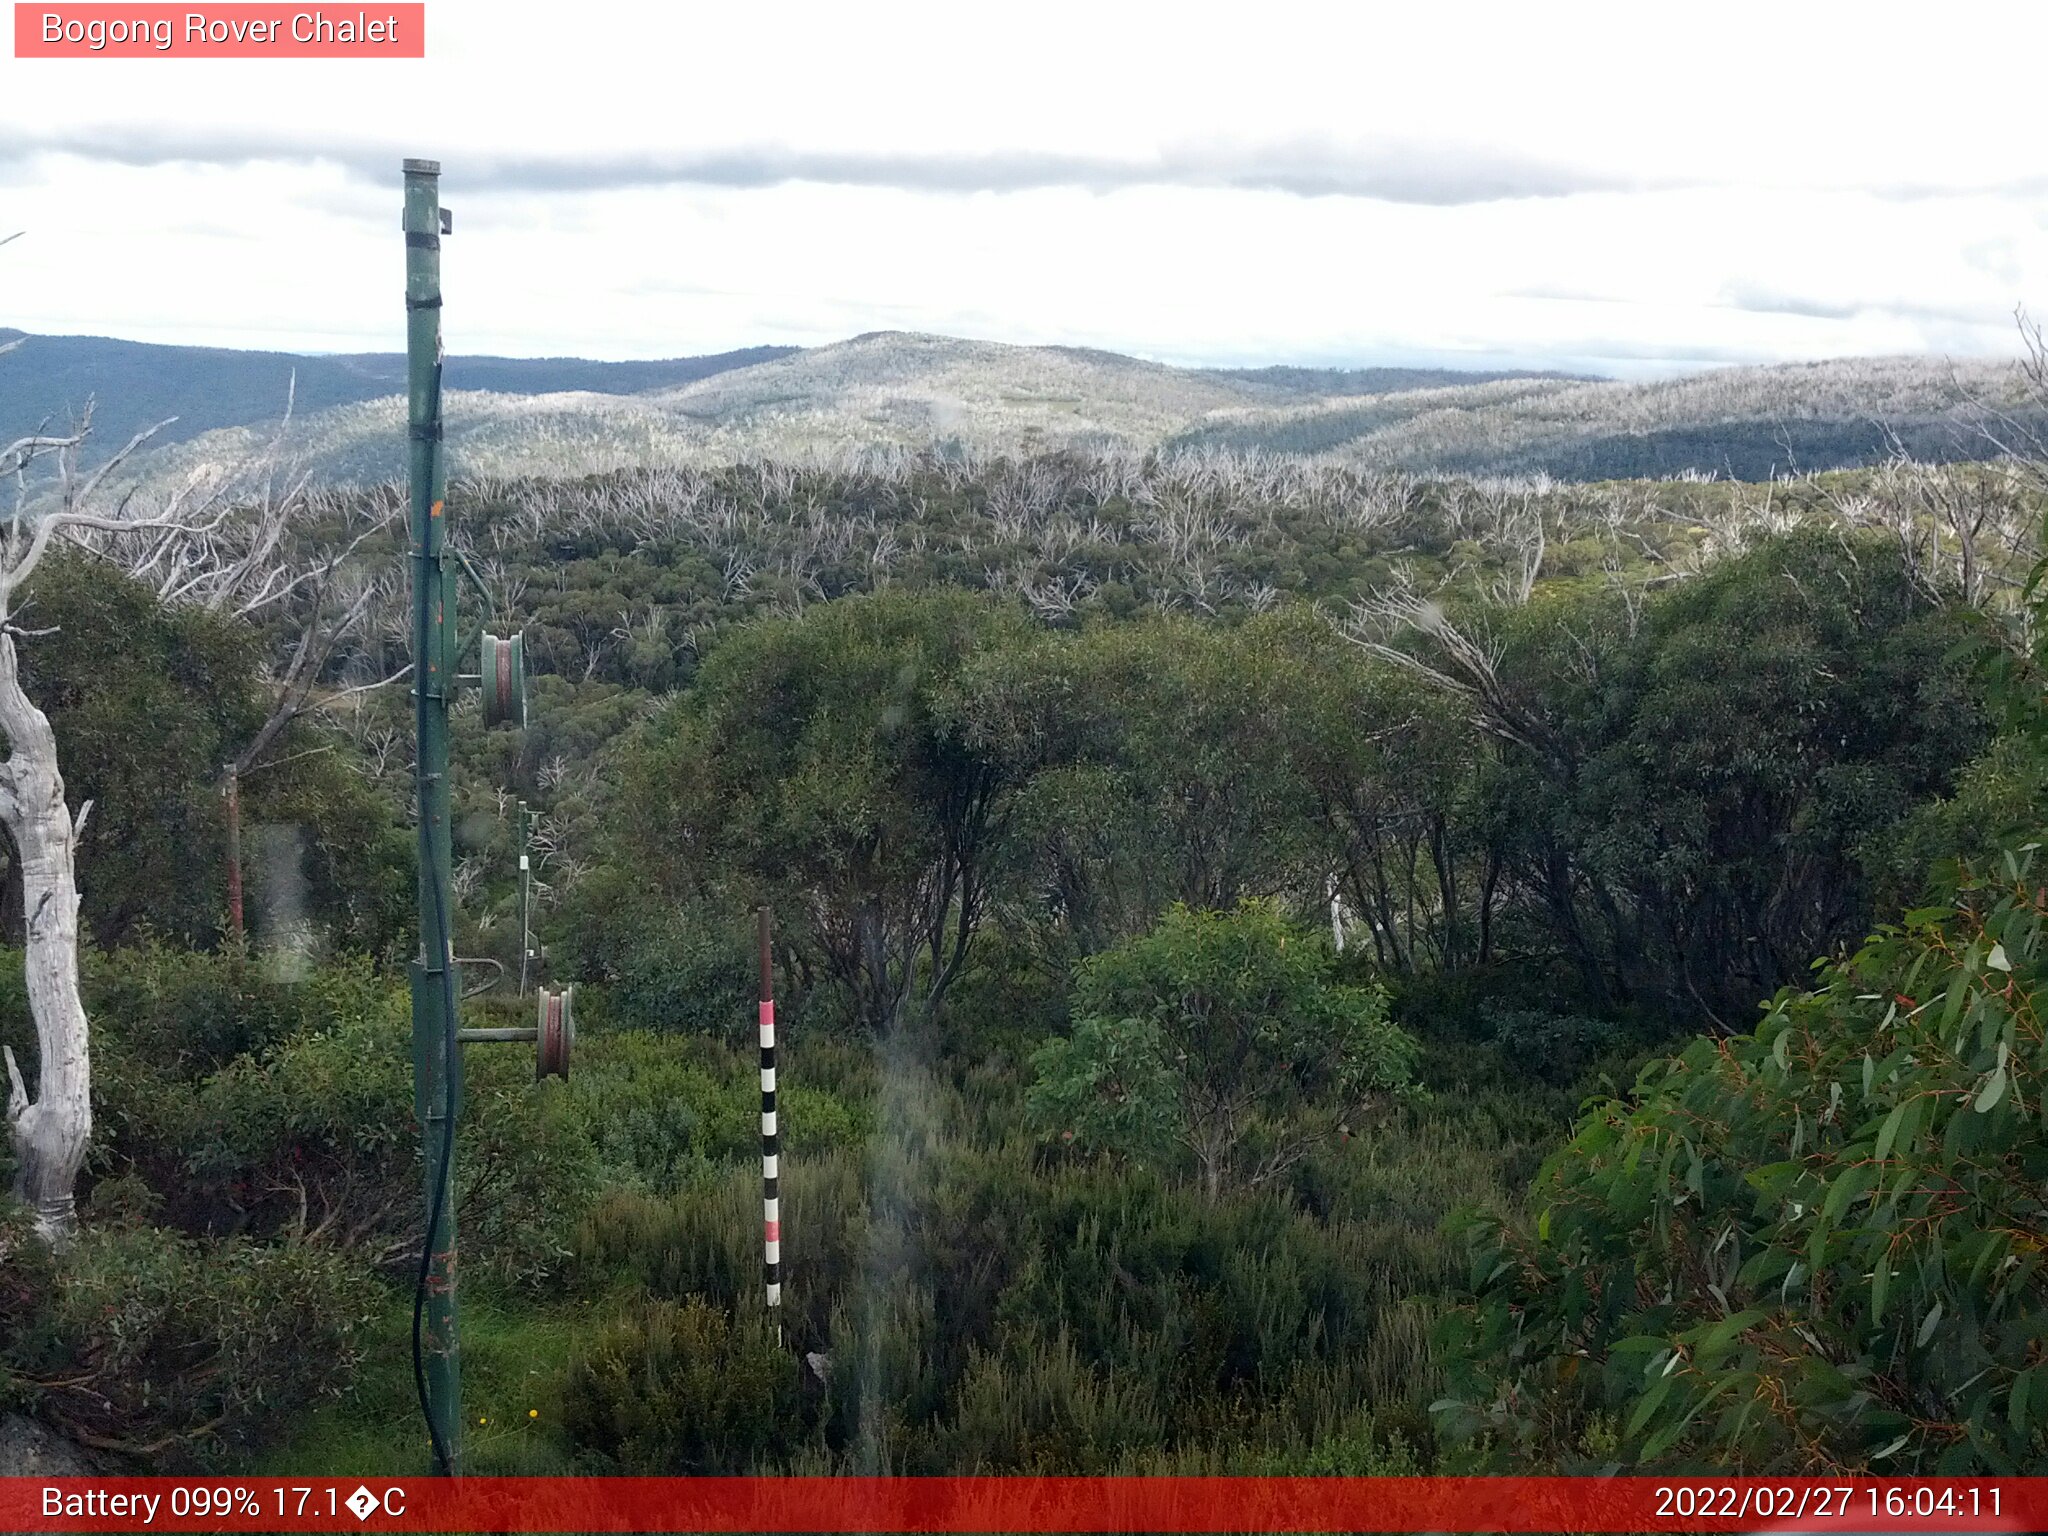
(285, 559)
(51, 1129)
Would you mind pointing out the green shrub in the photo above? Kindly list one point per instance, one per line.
(1558, 1048)
(1218, 1040)
(669, 968)
(179, 1014)
(289, 1114)
(684, 1387)
(665, 1110)
(140, 1341)
(706, 1241)
(1048, 1408)
(1815, 1246)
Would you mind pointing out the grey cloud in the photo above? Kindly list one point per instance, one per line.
(1766, 301)
(1757, 299)
(1926, 191)
(1414, 172)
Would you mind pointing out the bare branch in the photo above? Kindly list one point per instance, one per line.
(17, 1090)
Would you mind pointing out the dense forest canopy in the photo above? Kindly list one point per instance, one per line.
(1207, 890)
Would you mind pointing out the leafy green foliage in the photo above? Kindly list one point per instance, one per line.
(1698, 790)
(1556, 1047)
(678, 967)
(684, 1388)
(1817, 1245)
(1010, 1311)
(230, 1102)
(661, 1112)
(971, 812)
(1215, 1035)
(147, 703)
(140, 1341)
(821, 760)
(1171, 762)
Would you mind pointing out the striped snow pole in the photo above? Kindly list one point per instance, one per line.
(771, 1202)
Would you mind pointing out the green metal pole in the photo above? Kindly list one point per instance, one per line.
(436, 1061)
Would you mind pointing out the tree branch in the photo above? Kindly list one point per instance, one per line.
(17, 1090)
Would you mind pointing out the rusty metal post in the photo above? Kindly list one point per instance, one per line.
(233, 790)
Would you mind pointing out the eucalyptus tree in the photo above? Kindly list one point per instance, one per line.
(1222, 1038)
(825, 762)
(1690, 798)
(50, 1129)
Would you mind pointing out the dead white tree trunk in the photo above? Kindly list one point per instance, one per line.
(50, 1132)
(51, 1129)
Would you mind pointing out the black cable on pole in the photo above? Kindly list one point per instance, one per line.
(443, 1463)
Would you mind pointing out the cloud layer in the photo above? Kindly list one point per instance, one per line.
(1413, 172)
(1607, 188)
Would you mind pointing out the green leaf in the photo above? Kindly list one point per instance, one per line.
(1888, 1132)
(1992, 1091)
(1880, 1283)
(1652, 1400)
(2018, 1404)
(1665, 1437)
(1729, 1327)
(1958, 989)
(1849, 1185)
(1928, 1324)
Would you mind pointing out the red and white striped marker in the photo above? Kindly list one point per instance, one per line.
(771, 1146)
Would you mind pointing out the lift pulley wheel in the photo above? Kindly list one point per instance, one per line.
(504, 680)
(557, 1036)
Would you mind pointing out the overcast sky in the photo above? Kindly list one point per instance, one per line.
(1628, 189)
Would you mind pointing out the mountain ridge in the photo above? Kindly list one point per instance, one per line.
(136, 384)
(915, 391)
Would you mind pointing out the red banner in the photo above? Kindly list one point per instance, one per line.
(1024, 1504)
(233, 31)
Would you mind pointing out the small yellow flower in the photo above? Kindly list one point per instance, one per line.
(533, 1413)
(483, 1421)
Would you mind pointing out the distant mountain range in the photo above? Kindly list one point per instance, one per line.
(570, 416)
(133, 384)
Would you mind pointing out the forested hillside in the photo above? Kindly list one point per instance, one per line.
(133, 385)
(906, 393)
(1270, 953)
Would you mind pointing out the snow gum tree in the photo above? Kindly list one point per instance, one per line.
(51, 1128)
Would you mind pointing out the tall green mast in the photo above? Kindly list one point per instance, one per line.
(435, 987)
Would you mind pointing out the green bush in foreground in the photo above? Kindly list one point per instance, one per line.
(139, 1341)
(684, 1388)
(1815, 1246)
